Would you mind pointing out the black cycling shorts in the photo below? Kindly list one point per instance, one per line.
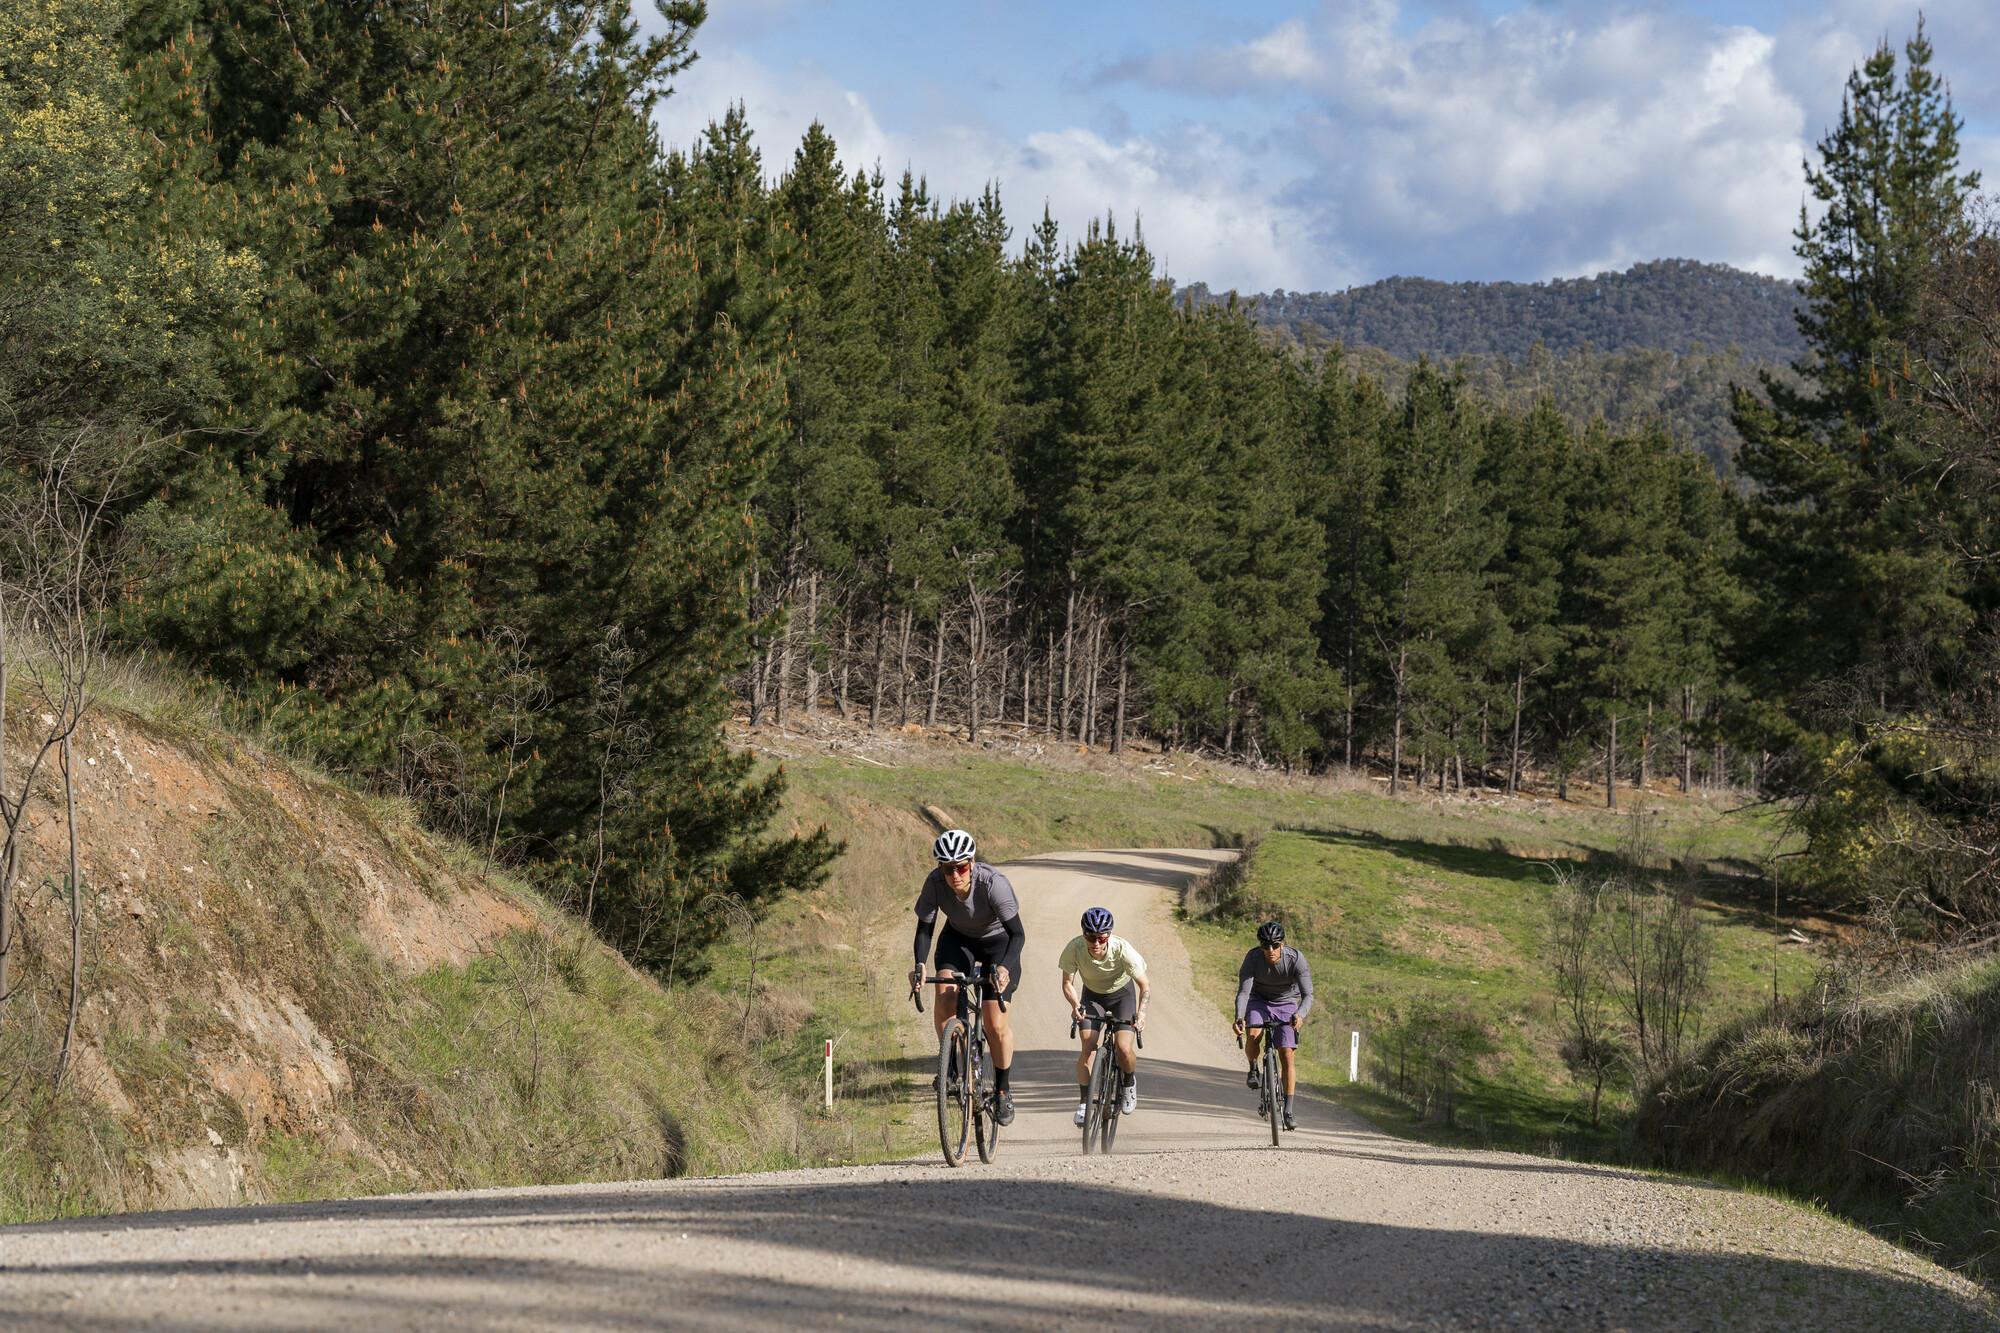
(1121, 1006)
(959, 952)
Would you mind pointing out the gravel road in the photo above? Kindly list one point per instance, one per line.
(1194, 1223)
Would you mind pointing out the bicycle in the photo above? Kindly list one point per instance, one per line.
(965, 1096)
(1100, 1119)
(1270, 1105)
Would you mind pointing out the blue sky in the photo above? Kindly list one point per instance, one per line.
(1313, 146)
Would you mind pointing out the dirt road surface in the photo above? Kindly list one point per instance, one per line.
(1195, 1222)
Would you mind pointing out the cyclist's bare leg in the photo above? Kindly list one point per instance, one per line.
(1288, 1058)
(999, 1035)
(1083, 1060)
(1128, 1056)
(946, 1005)
(1253, 1044)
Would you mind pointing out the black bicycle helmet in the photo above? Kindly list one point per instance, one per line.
(954, 844)
(1097, 921)
(1271, 932)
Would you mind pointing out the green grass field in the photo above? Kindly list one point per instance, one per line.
(1396, 900)
(1390, 923)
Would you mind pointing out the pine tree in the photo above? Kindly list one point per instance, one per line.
(1834, 538)
(506, 402)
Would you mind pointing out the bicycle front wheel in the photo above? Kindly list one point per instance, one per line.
(1274, 1079)
(985, 1129)
(954, 1092)
(1093, 1117)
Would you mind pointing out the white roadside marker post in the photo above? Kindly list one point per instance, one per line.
(1354, 1059)
(829, 1073)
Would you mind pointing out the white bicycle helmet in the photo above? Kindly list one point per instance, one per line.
(954, 844)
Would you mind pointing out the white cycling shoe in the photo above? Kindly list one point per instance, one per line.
(1082, 1112)
(1131, 1101)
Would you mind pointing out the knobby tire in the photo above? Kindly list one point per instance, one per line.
(985, 1129)
(1274, 1081)
(1093, 1119)
(954, 1096)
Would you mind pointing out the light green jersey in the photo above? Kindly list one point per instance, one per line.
(1109, 974)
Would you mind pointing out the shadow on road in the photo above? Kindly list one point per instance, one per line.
(1176, 1264)
(1168, 870)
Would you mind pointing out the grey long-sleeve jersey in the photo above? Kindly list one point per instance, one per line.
(1290, 978)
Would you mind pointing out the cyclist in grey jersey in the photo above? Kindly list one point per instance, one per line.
(982, 924)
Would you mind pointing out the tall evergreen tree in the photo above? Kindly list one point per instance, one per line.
(507, 401)
(1834, 545)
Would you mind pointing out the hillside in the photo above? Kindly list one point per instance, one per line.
(290, 991)
(1669, 304)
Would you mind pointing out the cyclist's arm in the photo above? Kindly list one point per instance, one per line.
(1145, 993)
(925, 930)
(1016, 939)
(1069, 990)
(1243, 983)
(1305, 988)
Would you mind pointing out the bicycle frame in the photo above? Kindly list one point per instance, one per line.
(1100, 1120)
(1270, 1103)
(965, 1096)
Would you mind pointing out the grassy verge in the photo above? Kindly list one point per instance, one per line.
(1398, 899)
(1402, 930)
(1874, 1096)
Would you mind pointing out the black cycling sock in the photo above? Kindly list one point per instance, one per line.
(1000, 1078)
(1127, 1080)
(1083, 1092)
(1288, 1103)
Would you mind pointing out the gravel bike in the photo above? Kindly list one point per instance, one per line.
(965, 1099)
(1270, 1106)
(1100, 1117)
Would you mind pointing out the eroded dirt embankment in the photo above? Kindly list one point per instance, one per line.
(222, 888)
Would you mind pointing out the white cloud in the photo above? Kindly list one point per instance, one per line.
(1348, 143)
(1203, 210)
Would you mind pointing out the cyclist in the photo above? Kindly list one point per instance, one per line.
(1274, 992)
(982, 924)
(1115, 989)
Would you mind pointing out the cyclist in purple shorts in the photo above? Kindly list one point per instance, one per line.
(1274, 992)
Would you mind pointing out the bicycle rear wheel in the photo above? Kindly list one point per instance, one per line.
(985, 1129)
(954, 1092)
(1274, 1080)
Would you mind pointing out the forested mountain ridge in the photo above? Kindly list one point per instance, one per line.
(1669, 304)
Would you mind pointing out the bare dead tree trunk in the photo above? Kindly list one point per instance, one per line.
(1687, 751)
(1396, 747)
(1646, 748)
(1118, 726)
(937, 670)
(1611, 763)
(1514, 759)
(903, 670)
(1087, 725)
(812, 638)
(881, 649)
(759, 656)
(1069, 641)
(846, 669)
(1049, 704)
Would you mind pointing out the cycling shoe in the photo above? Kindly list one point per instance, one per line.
(1082, 1112)
(1289, 1122)
(1003, 1109)
(1250, 1079)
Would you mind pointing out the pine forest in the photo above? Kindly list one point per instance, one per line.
(379, 364)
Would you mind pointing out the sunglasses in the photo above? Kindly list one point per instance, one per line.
(957, 867)
(1096, 938)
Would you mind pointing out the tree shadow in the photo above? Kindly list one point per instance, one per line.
(988, 1252)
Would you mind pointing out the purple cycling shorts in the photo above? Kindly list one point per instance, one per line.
(1277, 1013)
